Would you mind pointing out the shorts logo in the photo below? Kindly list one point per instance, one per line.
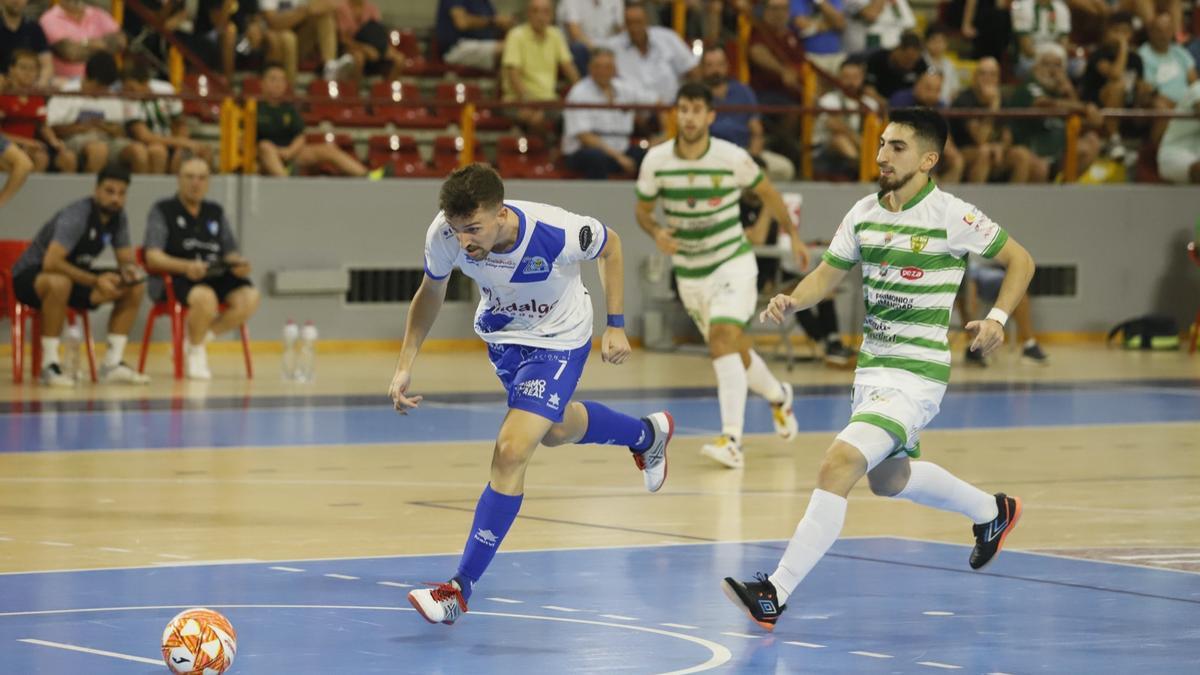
(486, 537)
(554, 401)
(536, 265)
(919, 242)
(585, 238)
(912, 273)
(533, 388)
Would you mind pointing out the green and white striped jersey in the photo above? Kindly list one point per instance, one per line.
(700, 198)
(913, 262)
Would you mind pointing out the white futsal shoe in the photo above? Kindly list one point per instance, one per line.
(784, 417)
(443, 603)
(725, 451)
(653, 460)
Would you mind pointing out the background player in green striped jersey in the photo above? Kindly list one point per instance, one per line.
(912, 240)
(700, 180)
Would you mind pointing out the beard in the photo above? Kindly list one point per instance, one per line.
(894, 182)
(107, 210)
(694, 138)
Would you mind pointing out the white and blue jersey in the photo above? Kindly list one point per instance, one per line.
(534, 311)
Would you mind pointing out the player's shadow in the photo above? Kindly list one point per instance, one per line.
(478, 649)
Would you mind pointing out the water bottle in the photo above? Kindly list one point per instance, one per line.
(291, 335)
(306, 363)
(71, 343)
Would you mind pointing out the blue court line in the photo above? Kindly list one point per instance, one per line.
(439, 421)
(1025, 613)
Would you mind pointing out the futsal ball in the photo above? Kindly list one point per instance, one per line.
(199, 642)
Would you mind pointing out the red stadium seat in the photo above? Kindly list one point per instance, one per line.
(342, 140)
(460, 92)
(402, 116)
(339, 103)
(446, 150)
(525, 158)
(400, 153)
(208, 110)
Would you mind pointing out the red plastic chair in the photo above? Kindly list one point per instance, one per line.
(401, 154)
(18, 312)
(339, 103)
(208, 109)
(404, 117)
(1195, 256)
(171, 307)
(525, 158)
(486, 119)
(446, 150)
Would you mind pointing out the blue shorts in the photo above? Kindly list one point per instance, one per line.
(540, 381)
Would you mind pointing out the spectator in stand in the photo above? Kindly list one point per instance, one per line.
(651, 57)
(1049, 87)
(820, 23)
(20, 32)
(1147, 10)
(744, 129)
(891, 70)
(281, 134)
(986, 23)
(927, 92)
(470, 33)
(1037, 22)
(936, 44)
(1169, 68)
(363, 36)
(587, 23)
(91, 122)
(986, 142)
(23, 117)
(533, 54)
(159, 122)
(76, 31)
(1179, 150)
(837, 137)
(314, 28)
(596, 142)
(17, 165)
(876, 24)
(775, 57)
(1114, 80)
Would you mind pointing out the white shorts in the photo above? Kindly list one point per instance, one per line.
(1175, 163)
(728, 295)
(897, 413)
(478, 54)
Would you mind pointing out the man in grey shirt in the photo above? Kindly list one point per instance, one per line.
(55, 273)
(189, 238)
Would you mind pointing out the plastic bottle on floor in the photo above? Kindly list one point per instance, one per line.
(72, 342)
(307, 361)
(291, 338)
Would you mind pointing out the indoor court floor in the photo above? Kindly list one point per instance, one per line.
(304, 513)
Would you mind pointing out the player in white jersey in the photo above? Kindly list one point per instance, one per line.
(700, 180)
(912, 240)
(536, 317)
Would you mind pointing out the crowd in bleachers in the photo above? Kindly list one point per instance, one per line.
(77, 87)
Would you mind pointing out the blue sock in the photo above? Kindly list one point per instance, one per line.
(609, 427)
(494, 514)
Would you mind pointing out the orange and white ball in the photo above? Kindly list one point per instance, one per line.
(199, 642)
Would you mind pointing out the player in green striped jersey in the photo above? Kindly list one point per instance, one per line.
(699, 180)
(912, 240)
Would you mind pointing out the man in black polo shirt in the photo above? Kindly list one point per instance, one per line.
(189, 238)
(890, 70)
(18, 31)
(56, 272)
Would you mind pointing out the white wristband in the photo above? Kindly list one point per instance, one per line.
(998, 315)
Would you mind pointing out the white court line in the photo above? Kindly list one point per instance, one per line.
(347, 577)
(55, 543)
(937, 613)
(874, 655)
(747, 636)
(720, 654)
(618, 617)
(5, 538)
(936, 664)
(1191, 561)
(680, 625)
(1157, 556)
(556, 608)
(174, 556)
(97, 652)
(114, 549)
(506, 601)
(280, 568)
(810, 645)
(394, 584)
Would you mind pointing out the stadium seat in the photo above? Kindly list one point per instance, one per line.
(402, 116)
(446, 150)
(209, 109)
(400, 153)
(342, 140)
(486, 119)
(339, 103)
(521, 157)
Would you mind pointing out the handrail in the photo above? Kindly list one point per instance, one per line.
(150, 19)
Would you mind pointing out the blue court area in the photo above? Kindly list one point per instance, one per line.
(874, 605)
(349, 420)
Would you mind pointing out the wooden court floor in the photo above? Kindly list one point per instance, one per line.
(1106, 490)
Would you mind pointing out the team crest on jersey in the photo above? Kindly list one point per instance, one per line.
(536, 265)
(919, 242)
(969, 218)
(716, 180)
(180, 221)
(888, 236)
(691, 178)
(691, 202)
(213, 227)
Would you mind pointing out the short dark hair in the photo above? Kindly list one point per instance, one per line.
(469, 188)
(937, 29)
(271, 65)
(695, 91)
(113, 172)
(17, 55)
(101, 68)
(909, 39)
(137, 70)
(856, 60)
(1118, 18)
(927, 124)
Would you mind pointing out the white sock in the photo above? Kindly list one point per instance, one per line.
(731, 392)
(49, 350)
(818, 529)
(116, 349)
(761, 381)
(1031, 342)
(931, 485)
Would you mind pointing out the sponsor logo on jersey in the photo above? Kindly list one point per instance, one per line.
(536, 265)
(179, 220)
(969, 218)
(919, 242)
(585, 238)
(884, 268)
(912, 273)
(714, 201)
(213, 227)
